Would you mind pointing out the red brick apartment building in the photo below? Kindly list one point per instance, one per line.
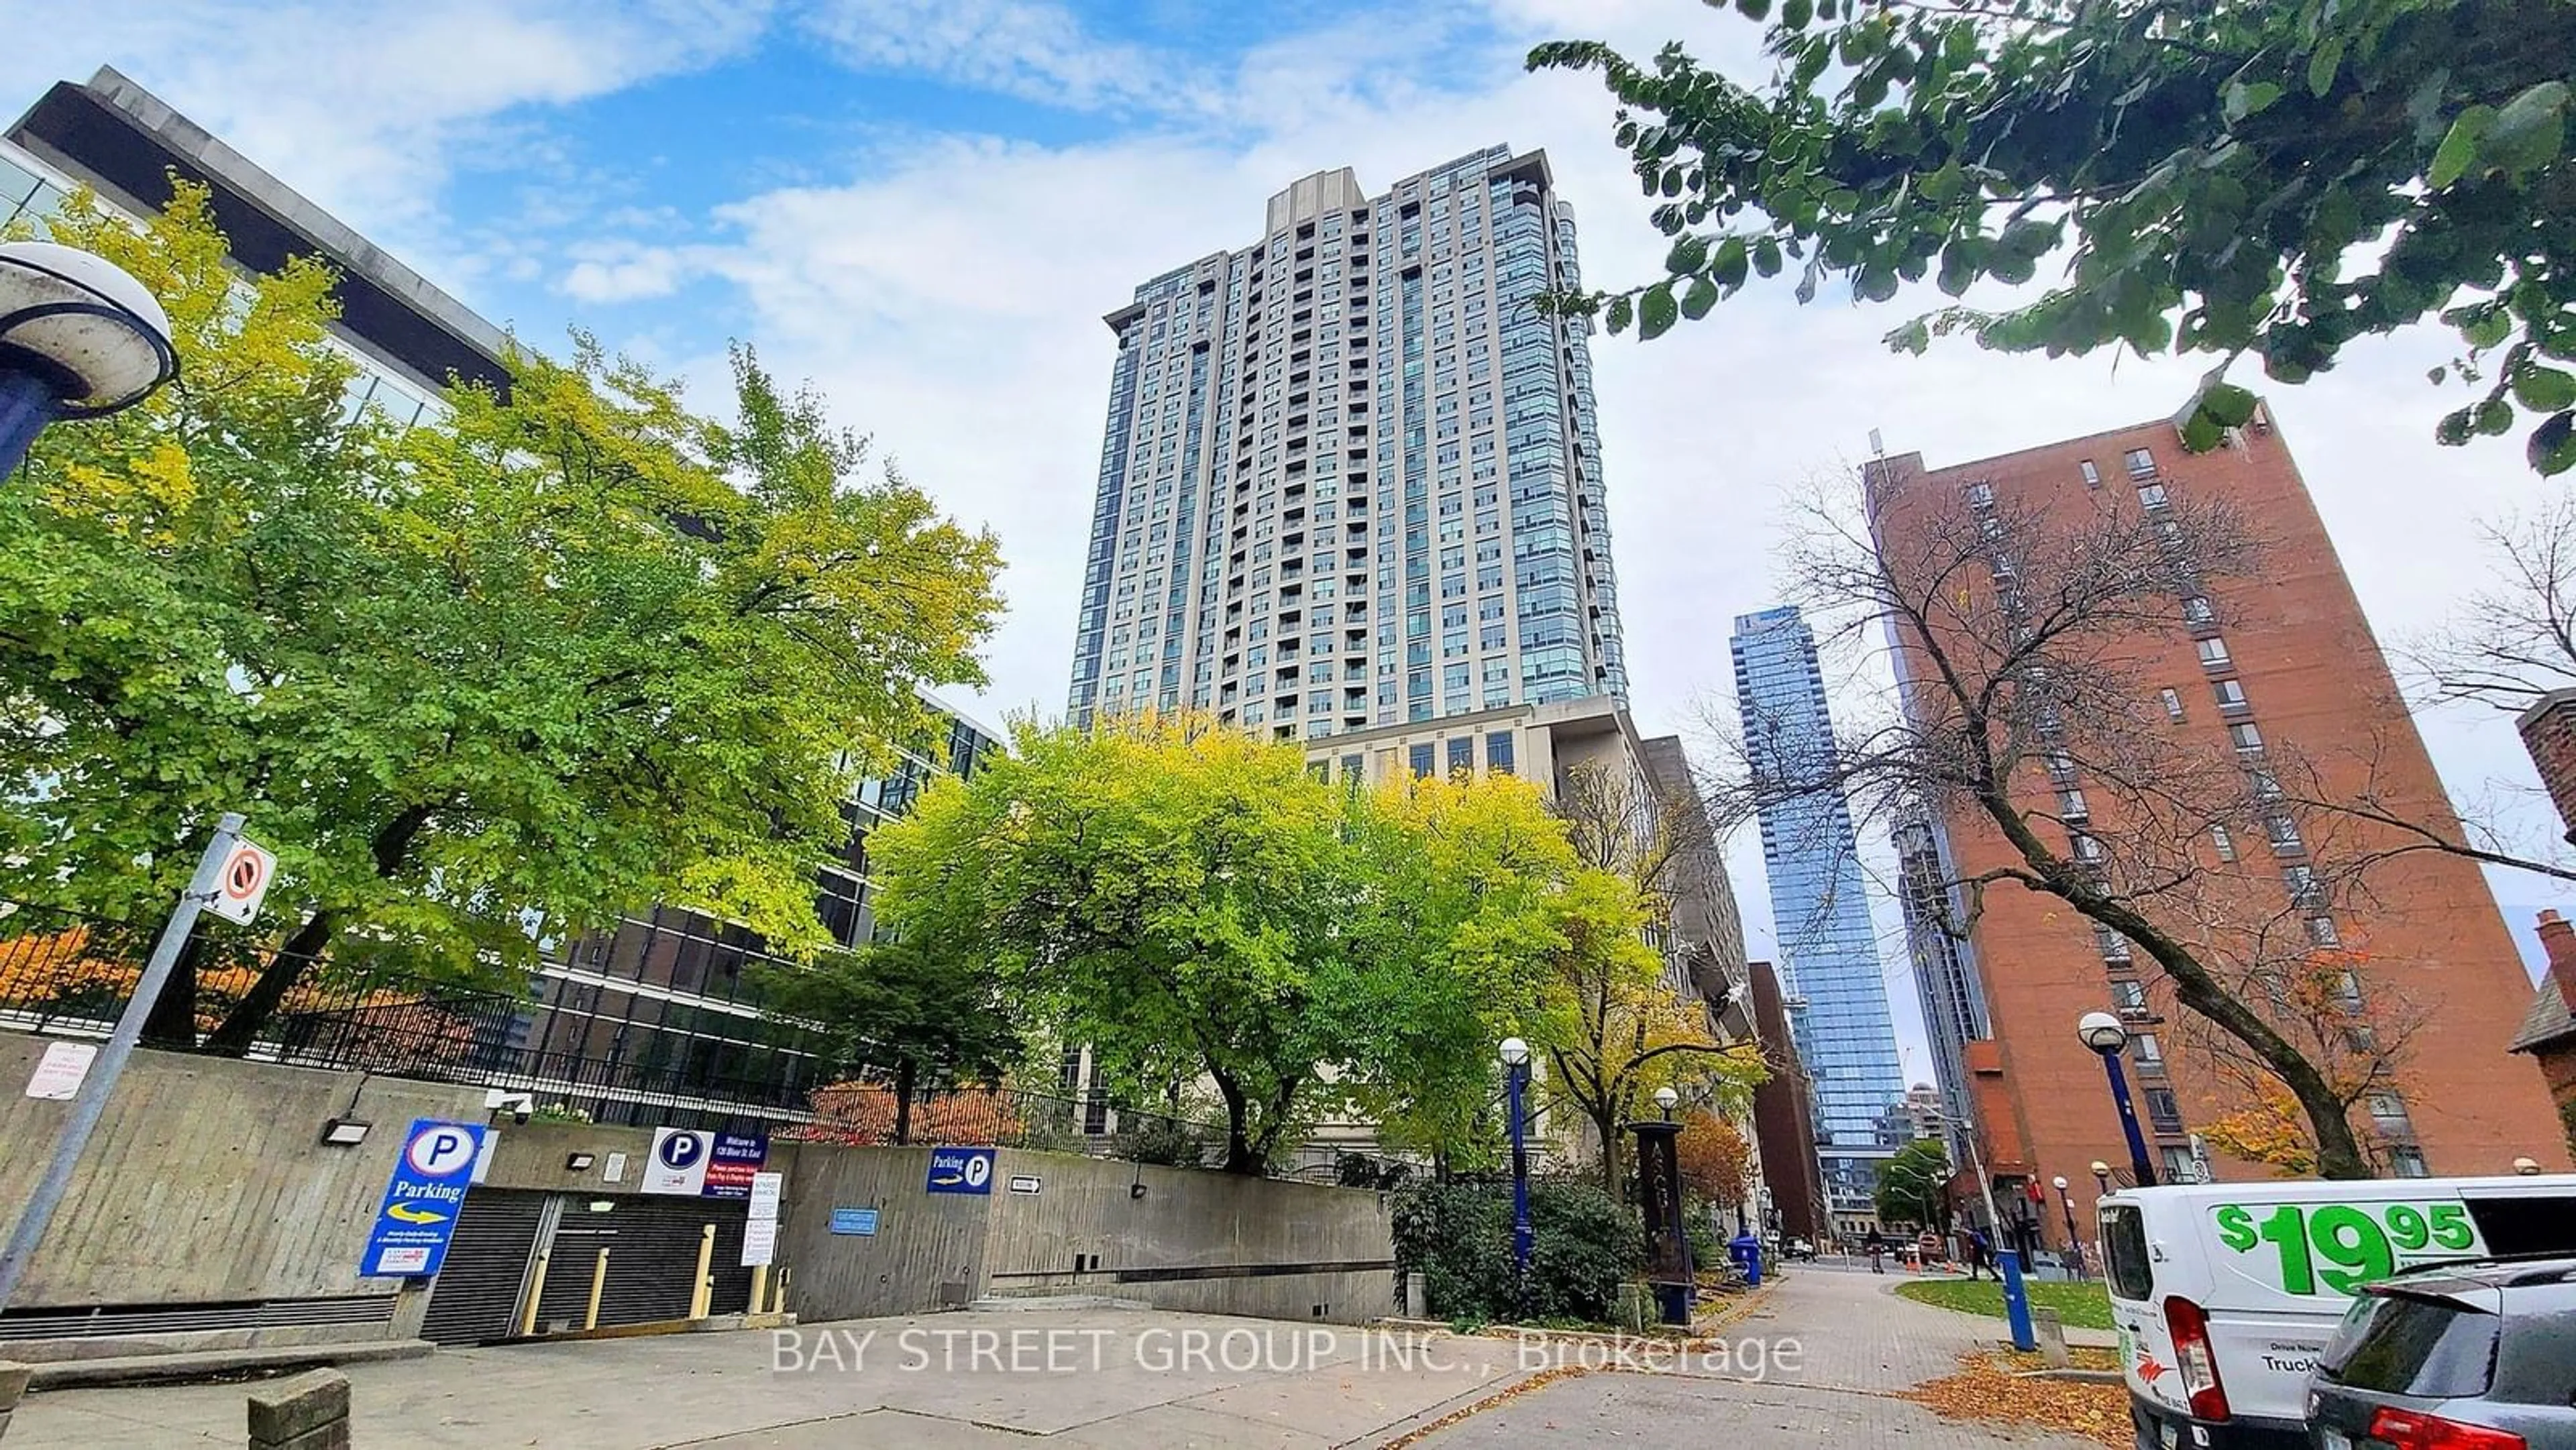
(2278, 659)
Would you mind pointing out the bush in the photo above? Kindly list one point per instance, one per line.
(1168, 1142)
(1584, 1244)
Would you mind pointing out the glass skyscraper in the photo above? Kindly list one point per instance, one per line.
(1351, 477)
(1829, 964)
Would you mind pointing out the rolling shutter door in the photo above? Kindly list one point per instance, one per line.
(476, 1295)
(653, 1253)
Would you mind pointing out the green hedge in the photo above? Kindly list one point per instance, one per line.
(1584, 1244)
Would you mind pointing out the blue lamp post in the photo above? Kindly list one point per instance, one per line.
(2109, 1037)
(79, 338)
(1516, 1056)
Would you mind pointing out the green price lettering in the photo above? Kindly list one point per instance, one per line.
(2287, 1228)
(2354, 1243)
(2340, 1247)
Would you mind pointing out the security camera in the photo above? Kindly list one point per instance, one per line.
(520, 1106)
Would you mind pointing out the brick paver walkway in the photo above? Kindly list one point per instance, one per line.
(1857, 1345)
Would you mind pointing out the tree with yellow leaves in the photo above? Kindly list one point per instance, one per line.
(1613, 1029)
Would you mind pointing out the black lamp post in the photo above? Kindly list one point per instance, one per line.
(1516, 1058)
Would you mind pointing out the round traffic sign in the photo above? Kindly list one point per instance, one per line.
(979, 1171)
(682, 1149)
(245, 872)
(440, 1150)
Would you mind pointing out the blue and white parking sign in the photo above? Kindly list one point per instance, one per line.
(961, 1170)
(418, 1215)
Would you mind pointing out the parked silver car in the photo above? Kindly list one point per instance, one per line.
(2475, 1356)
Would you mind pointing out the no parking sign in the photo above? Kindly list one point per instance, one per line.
(240, 881)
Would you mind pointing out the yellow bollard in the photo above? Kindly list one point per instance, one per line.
(598, 1283)
(536, 1291)
(759, 1286)
(704, 1286)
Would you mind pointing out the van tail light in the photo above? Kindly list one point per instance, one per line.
(2415, 1430)
(2195, 1359)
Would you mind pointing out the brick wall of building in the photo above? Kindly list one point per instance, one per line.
(2298, 642)
(1784, 1120)
(2549, 733)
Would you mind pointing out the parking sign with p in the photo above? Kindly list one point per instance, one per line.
(421, 1204)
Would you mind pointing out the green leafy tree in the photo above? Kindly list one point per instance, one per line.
(923, 1019)
(1914, 1186)
(2274, 177)
(1160, 889)
(1458, 889)
(498, 676)
(1193, 904)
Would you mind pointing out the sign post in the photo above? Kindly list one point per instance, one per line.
(233, 890)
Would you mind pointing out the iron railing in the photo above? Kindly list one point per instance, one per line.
(71, 976)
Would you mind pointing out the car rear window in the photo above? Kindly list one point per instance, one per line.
(2402, 1345)
(2124, 1250)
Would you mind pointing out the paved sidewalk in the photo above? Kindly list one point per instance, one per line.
(1857, 1345)
(1087, 1377)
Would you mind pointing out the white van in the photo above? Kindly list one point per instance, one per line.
(2224, 1294)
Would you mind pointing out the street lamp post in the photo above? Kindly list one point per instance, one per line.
(79, 338)
(2109, 1037)
(2025, 1336)
(2101, 1176)
(1516, 1056)
(2074, 1245)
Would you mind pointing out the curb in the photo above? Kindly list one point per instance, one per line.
(210, 1364)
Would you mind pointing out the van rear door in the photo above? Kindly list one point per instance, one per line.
(2129, 1271)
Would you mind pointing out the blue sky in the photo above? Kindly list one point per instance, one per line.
(925, 206)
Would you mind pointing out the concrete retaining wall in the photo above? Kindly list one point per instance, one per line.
(208, 1180)
(208, 1184)
(927, 1252)
(1207, 1242)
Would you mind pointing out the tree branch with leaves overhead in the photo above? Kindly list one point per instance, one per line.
(2265, 179)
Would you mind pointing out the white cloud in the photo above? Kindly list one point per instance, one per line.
(623, 271)
(1026, 48)
(368, 108)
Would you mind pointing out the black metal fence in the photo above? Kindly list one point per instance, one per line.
(867, 1114)
(70, 976)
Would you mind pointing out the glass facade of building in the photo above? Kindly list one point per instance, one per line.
(670, 997)
(1351, 473)
(31, 191)
(1829, 962)
(1945, 965)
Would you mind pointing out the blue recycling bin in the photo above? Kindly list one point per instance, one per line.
(1746, 1251)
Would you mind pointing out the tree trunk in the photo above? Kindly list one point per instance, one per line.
(1606, 1124)
(242, 1025)
(1239, 1157)
(2338, 1150)
(173, 1020)
(905, 1073)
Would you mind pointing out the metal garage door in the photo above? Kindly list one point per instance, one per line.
(653, 1254)
(476, 1294)
(652, 1248)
